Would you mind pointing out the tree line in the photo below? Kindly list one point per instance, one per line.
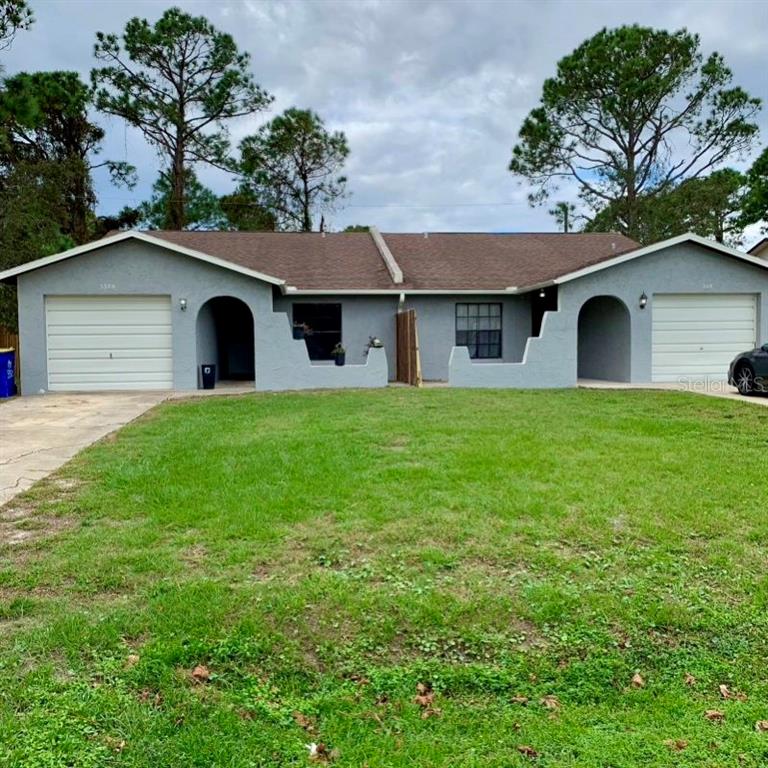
(638, 119)
(642, 122)
(180, 82)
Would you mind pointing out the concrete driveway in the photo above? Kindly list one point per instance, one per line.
(38, 434)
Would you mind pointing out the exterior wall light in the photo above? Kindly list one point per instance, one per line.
(542, 294)
(183, 305)
(643, 300)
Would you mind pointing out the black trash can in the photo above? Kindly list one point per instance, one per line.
(208, 376)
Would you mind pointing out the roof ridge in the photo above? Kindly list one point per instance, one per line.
(389, 260)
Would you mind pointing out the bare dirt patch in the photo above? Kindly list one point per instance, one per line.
(194, 555)
(23, 521)
(396, 445)
(23, 529)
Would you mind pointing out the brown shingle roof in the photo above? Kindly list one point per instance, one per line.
(306, 260)
(443, 261)
(479, 261)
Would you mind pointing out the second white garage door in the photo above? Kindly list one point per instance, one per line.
(695, 336)
(109, 342)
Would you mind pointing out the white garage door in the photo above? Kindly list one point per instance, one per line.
(108, 342)
(695, 336)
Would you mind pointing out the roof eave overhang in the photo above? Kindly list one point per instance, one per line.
(689, 237)
(291, 290)
(11, 274)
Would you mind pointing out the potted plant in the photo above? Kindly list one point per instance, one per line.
(300, 330)
(339, 354)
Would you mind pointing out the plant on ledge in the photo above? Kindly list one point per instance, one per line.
(339, 354)
(300, 330)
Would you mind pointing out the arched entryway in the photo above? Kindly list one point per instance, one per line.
(225, 338)
(604, 340)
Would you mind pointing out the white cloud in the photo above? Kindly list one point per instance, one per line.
(430, 94)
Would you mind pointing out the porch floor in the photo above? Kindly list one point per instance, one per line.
(222, 388)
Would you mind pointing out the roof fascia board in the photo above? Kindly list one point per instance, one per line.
(669, 243)
(68, 254)
(293, 291)
(758, 246)
(141, 237)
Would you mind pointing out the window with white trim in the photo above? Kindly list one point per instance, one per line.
(478, 327)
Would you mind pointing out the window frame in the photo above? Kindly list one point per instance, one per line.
(340, 331)
(475, 347)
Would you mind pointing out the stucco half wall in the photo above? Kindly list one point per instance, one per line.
(135, 268)
(551, 360)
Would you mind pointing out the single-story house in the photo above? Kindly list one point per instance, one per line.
(139, 310)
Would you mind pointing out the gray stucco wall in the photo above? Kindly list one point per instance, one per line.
(361, 317)
(207, 351)
(282, 362)
(552, 359)
(138, 268)
(549, 361)
(605, 345)
(436, 324)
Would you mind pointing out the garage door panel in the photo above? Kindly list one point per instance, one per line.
(98, 354)
(704, 337)
(711, 321)
(107, 318)
(695, 336)
(734, 314)
(102, 382)
(672, 350)
(114, 366)
(109, 342)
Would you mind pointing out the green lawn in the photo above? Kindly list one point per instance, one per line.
(324, 555)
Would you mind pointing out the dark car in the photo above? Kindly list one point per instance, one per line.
(749, 371)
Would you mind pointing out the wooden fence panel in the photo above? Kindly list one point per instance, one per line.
(408, 358)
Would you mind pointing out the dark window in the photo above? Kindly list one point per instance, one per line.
(478, 327)
(321, 324)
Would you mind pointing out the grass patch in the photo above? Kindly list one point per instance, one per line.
(521, 555)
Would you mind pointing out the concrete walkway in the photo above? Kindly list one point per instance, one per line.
(40, 433)
(711, 389)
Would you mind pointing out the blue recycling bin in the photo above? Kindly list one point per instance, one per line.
(7, 372)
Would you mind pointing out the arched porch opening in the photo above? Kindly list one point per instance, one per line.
(604, 340)
(225, 338)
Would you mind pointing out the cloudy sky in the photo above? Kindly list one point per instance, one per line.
(430, 94)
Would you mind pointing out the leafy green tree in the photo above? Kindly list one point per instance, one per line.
(14, 15)
(564, 215)
(126, 218)
(713, 204)
(239, 211)
(48, 148)
(710, 206)
(201, 205)
(755, 204)
(44, 119)
(294, 164)
(32, 212)
(245, 212)
(631, 114)
(179, 82)
(357, 228)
